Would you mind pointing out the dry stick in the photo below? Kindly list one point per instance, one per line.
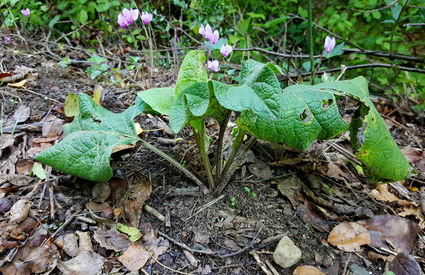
(175, 163)
(371, 65)
(246, 248)
(167, 267)
(62, 226)
(205, 206)
(182, 245)
(260, 263)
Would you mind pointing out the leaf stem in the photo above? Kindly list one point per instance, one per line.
(200, 141)
(236, 144)
(224, 180)
(310, 39)
(219, 149)
(175, 163)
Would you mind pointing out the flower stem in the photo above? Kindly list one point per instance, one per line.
(310, 39)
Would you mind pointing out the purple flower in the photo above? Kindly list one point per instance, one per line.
(329, 44)
(226, 50)
(208, 32)
(202, 30)
(26, 12)
(127, 17)
(7, 39)
(213, 66)
(214, 37)
(146, 17)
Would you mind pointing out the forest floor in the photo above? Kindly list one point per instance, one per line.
(68, 225)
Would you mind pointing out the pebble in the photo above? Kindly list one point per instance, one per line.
(5, 205)
(286, 253)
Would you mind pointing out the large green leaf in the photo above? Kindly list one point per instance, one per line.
(85, 151)
(194, 103)
(376, 148)
(302, 113)
(191, 71)
(159, 99)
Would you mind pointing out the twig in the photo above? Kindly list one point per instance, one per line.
(167, 267)
(246, 248)
(62, 226)
(9, 257)
(182, 245)
(41, 95)
(346, 264)
(260, 263)
(154, 212)
(360, 66)
(379, 9)
(205, 206)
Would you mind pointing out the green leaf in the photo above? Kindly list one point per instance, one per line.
(85, 151)
(39, 171)
(97, 59)
(159, 99)
(133, 233)
(376, 148)
(191, 71)
(303, 113)
(83, 16)
(193, 103)
(243, 26)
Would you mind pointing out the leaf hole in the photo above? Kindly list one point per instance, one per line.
(326, 103)
(306, 115)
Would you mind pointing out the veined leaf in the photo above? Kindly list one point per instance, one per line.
(159, 99)
(194, 103)
(302, 113)
(85, 151)
(191, 71)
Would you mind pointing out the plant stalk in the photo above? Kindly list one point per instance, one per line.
(236, 145)
(233, 166)
(175, 163)
(200, 141)
(310, 39)
(219, 149)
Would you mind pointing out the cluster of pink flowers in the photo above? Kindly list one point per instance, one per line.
(213, 36)
(127, 17)
(209, 34)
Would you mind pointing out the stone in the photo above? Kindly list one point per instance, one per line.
(286, 253)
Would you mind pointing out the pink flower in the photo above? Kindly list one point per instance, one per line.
(202, 30)
(7, 39)
(329, 44)
(146, 17)
(26, 12)
(208, 32)
(127, 17)
(214, 37)
(226, 50)
(213, 66)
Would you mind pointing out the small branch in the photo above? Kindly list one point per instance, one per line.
(246, 248)
(175, 163)
(371, 65)
(346, 50)
(380, 9)
(182, 245)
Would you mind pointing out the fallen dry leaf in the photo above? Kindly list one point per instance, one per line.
(132, 201)
(20, 210)
(412, 154)
(6, 141)
(17, 180)
(31, 260)
(135, 257)
(24, 166)
(84, 241)
(21, 114)
(415, 211)
(52, 127)
(20, 84)
(404, 264)
(349, 236)
(335, 172)
(157, 246)
(261, 170)
(307, 270)
(86, 263)
(70, 244)
(399, 232)
(112, 239)
(381, 193)
(290, 188)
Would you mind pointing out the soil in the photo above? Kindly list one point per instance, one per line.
(251, 216)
